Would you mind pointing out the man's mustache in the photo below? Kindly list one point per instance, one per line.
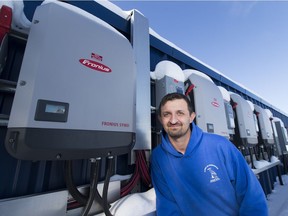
(175, 124)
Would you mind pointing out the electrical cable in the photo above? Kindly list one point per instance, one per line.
(93, 192)
(73, 190)
(132, 182)
(145, 176)
(109, 172)
(95, 162)
(141, 172)
(97, 195)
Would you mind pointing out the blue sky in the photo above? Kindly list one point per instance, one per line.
(244, 40)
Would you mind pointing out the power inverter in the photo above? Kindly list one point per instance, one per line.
(75, 96)
(246, 123)
(265, 125)
(208, 101)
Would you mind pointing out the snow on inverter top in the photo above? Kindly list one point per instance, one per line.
(75, 96)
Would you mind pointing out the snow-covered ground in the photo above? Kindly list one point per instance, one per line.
(278, 199)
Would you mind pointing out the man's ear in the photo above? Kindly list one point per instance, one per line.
(192, 117)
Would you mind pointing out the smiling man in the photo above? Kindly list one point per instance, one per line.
(197, 173)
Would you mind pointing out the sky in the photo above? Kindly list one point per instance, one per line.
(246, 41)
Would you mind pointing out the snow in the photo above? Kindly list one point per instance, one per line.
(137, 204)
(189, 72)
(19, 20)
(260, 163)
(225, 94)
(278, 200)
(167, 68)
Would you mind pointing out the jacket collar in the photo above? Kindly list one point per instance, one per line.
(194, 142)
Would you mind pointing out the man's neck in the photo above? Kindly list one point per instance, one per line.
(181, 143)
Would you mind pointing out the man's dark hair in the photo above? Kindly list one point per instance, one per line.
(175, 96)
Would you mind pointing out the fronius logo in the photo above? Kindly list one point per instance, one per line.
(215, 104)
(95, 65)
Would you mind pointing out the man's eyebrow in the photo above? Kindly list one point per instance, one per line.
(167, 111)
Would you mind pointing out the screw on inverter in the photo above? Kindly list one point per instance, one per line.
(58, 156)
(13, 139)
(22, 83)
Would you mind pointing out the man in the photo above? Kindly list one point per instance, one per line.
(197, 173)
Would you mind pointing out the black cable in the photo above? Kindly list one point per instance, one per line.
(93, 185)
(73, 190)
(106, 184)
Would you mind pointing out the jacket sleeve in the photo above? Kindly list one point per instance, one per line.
(250, 195)
(165, 203)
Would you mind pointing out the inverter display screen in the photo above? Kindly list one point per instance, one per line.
(53, 111)
(50, 108)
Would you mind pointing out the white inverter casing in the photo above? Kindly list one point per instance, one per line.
(208, 102)
(265, 125)
(75, 96)
(245, 120)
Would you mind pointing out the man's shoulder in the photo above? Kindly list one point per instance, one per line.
(214, 136)
(157, 150)
(216, 139)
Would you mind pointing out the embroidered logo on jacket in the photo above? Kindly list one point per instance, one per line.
(212, 169)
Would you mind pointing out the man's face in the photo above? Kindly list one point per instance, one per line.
(175, 118)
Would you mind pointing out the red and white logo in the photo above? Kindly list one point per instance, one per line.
(215, 103)
(95, 65)
(96, 56)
